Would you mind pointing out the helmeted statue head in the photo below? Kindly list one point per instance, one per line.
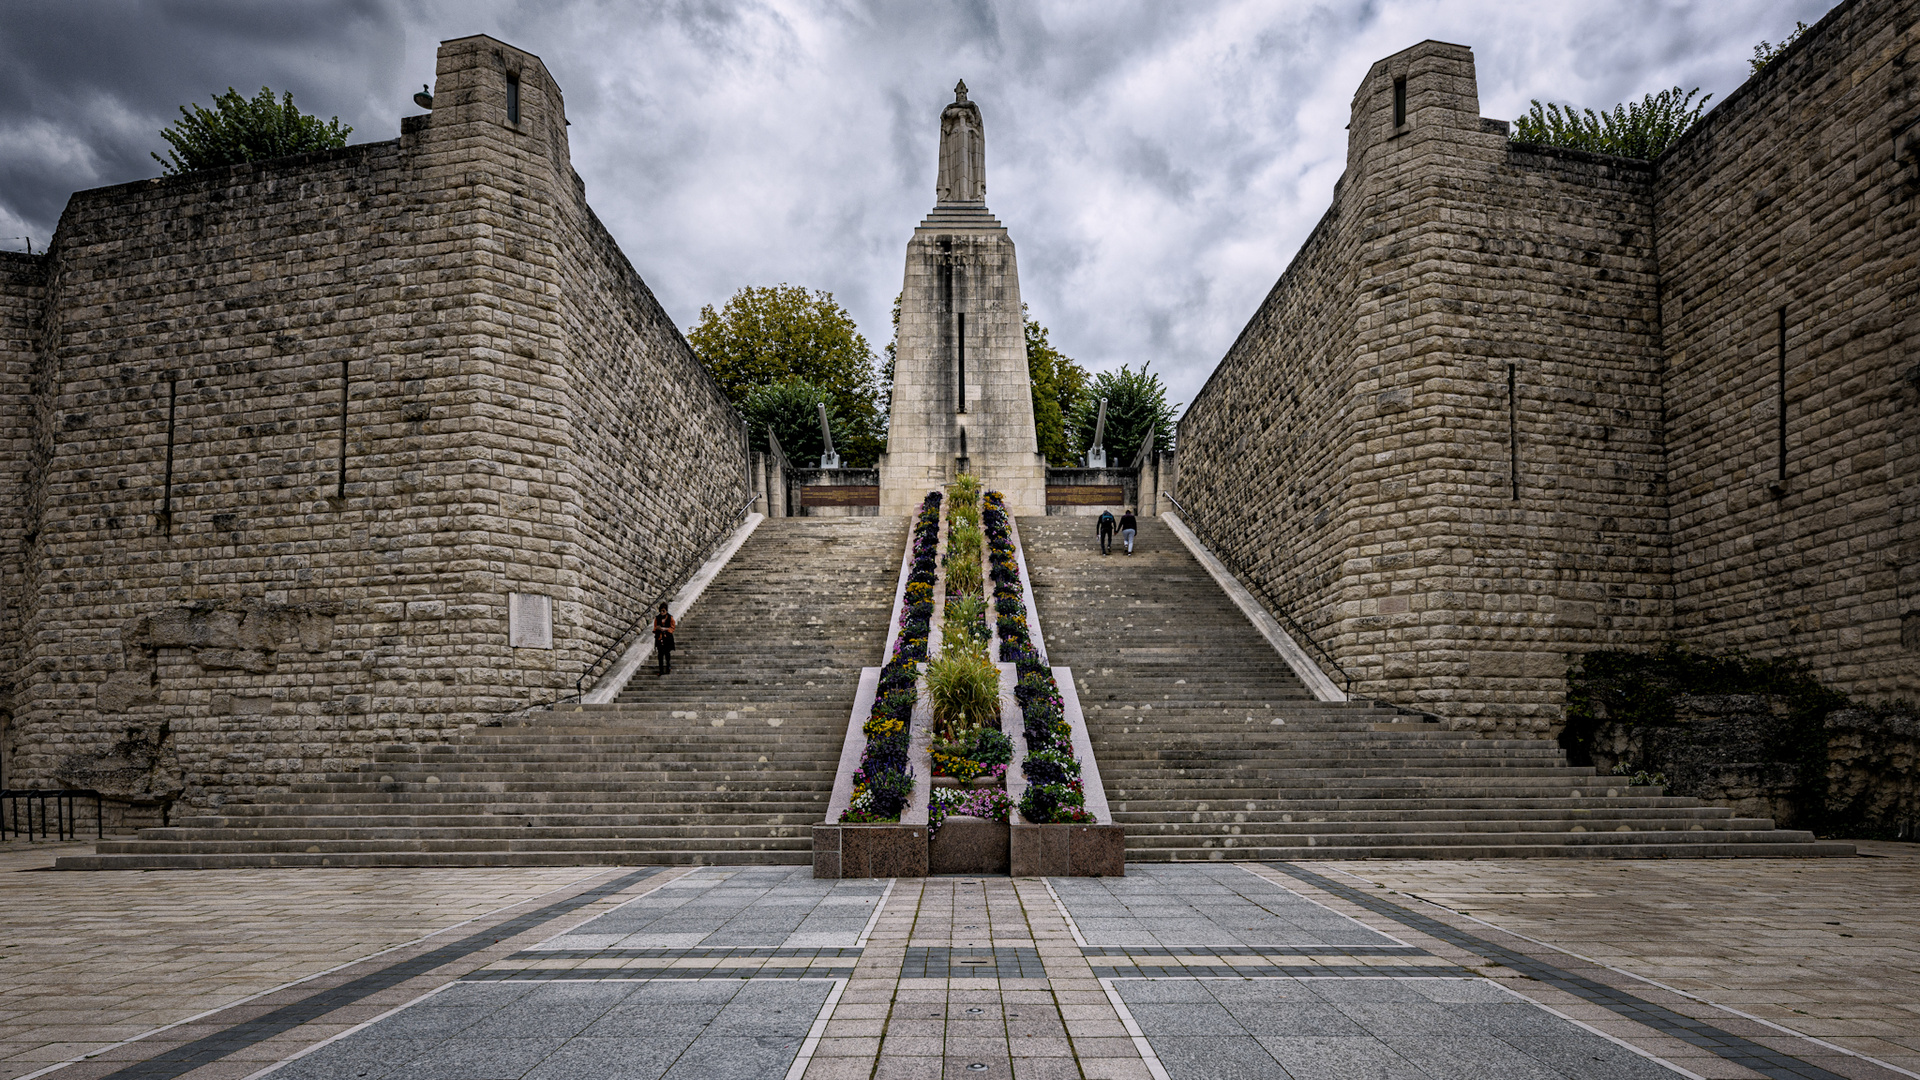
(963, 152)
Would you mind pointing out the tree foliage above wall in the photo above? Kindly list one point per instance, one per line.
(1058, 386)
(1136, 405)
(767, 335)
(1633, 129)
(791, 407)
(1766, 52)
(237, 130)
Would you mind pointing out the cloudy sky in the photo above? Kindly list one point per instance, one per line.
(1157, 163)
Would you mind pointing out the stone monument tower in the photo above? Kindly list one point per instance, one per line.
(961, 397)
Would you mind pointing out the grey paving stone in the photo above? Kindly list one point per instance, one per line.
(735, 1057)
(1155, 991)
(1453, 990)
(684, 992)
(355, 1057)
(1418, 1017)
(535, 1018)
(1241, 1058)
(1295, 1018)
(467, 995)
(611, 1059)
(1469, 1058)
(473, 1058)
(655, 1019)
(1582, 1055)
(1343, 991)
(1319, 1057)
(419, 1021)
(1186, 1018)
(1507, 1020)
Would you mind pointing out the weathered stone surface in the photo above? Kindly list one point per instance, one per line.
(519, 416)
(139, 767)
(967, 845)
(863, 851)
(1068, 850)
(1509, 403)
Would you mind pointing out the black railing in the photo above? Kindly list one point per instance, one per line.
(59, 813)
(646, 615)
(1274, 605)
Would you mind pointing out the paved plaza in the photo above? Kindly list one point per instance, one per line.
(1547, 968)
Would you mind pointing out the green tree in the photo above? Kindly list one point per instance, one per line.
(1058, 384)
(1136, 405)
(1634, 129)
(1765, 52)
(791, 407)
(766, 335)
(237, 130)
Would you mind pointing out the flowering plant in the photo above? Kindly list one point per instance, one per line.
(989, 803)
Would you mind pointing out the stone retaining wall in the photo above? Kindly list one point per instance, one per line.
(519, 416)
(1510, 403)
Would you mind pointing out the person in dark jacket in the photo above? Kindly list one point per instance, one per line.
(1127, 527)
(1105, 529)
(663, 628)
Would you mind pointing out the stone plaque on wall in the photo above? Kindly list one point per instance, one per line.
(529, 621)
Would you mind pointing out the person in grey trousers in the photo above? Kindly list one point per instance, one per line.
(1127, 528)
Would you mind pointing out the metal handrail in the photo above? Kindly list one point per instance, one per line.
(66, 818)
(1274, 605)
(580, 684)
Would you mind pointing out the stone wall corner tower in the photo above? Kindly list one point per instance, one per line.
(961, 396)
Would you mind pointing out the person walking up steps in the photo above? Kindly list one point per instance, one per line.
(1127, 528)
(663, 628)
(1105, 529)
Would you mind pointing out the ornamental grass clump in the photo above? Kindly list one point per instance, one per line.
(964, 688)
(965, 623)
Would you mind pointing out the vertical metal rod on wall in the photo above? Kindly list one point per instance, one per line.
(341, 490)
(166, 497)
(1513, 433)
(1780, 355)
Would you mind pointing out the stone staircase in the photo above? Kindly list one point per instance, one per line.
(730, 759)
(1211, 748)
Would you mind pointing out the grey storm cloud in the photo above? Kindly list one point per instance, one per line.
(1156, 163)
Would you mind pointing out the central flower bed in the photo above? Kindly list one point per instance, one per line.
(970, 753)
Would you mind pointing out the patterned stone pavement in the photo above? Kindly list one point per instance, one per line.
(1183, 972)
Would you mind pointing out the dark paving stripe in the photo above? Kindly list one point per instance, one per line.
(1744, 1052)
(695, 952)
(1252, 950)
(758, 973)
(1290, 971)
(944, 963)
(190, 1056)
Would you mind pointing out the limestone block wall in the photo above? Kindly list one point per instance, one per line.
(1437, 444)
(22, 294)
(305, 425)
(1790, 237)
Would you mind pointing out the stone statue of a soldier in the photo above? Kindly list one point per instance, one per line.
(963, 152)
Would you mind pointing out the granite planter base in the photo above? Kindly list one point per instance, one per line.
(1068, 851)
(869, 851)
(968, 845)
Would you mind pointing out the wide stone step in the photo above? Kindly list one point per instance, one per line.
(1155, 825)
(396, 858)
